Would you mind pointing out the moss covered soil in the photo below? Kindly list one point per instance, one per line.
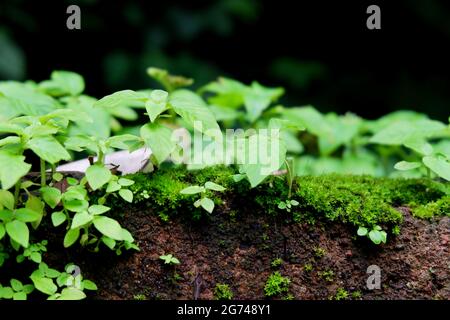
(248, 239)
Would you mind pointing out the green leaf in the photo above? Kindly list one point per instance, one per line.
(405, 165)
(113, 186)
(257, 98)
(70, 237)
(48, 148)
(51, 196)
(169, 81)
(12, 168)
(28, 288)
(97, 176)
(27, 215)
(58, 218)
(2, 232)
(438, 165)
(194, 110)
(97, 209)
(159, 139)
(126, 195)
(207, 204)
(18, 231)
(81, 219)
(43, 284)
(16, 285)
(124, 98)
(213, 186)
(76, 205)
(156, 104)
(109, 227)
(6, 215)
(376, 236)
(36, 257)
(110, 243)
(20, 296)
(6, 292)
(72, 294)
(6, 199)
(63, 83)
(362, 231)
(89, 285)
(282, 205)
(192, 190)
(124, 182)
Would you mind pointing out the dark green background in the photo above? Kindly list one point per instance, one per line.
(320, 51)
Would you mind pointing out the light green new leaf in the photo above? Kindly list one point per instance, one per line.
(156, 104)
(97, 176)
(362, 231)
(192, 190)
(70, 237)
(63, 83)
(27, 215)
(58, 218)
(194, 111)
(213, 186)
(405, 165)
(6, 199)
(18, 231)
(257, 98)
(159, 139)
(126, 195)
(51, 196)
(207, 204)
(71, 294)
(12, 168)
(109, 227)
(98, 209)
(48, 148)
(124, 98)
(43, 284)
(81, 219)
(438, 165)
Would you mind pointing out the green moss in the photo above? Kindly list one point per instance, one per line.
(356, 200)
(431, 209)
(223, 292)
(276, 284)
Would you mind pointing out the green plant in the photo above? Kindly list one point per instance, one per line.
(205, 202)
(140, 297)
(169, 259)
(356, 295)
(341, 294)
(319, 252)
(276, 284)
(223, 292)
(33, 252)
(308, 267)
(287, 205)
(16, 290)
(376, 235)
(276, 262)
(327, 275)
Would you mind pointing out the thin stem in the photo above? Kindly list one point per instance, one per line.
(100, 157)
(43, 173)
(17, 193)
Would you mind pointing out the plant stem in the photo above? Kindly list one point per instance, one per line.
(16, 193)
(100, 157)
(43, 173)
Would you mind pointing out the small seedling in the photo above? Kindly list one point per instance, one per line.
(169, 259)
(307, 267)
(276, 284)
(139, 297)
(287, 205)
(223, 292)
(377, 235)
(319, 252)
(276, 262)
(327, 275)
(356, 295)
(341, 294)
(204, 202)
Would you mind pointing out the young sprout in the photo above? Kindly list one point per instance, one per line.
(204, 202)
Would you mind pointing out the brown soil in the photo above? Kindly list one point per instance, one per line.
(238, 250)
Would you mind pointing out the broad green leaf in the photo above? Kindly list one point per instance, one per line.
(18, 231)
(43, 284)
(19, 296)
(80, 143)
(16, 285)
(76, 205)
(6, 199)
(192, 190)
(156, 104)
(97, 209)
(213, 186)
(376, 236)
(109, 227)
(81, 219)
(12, 168)
(89, 285)
(27, 215)
(6, 215)
(419, 145)
(257, 98)
(58, 218)
(126, 235)
(124, 182)
(126, 195)
(48, 148)
(405, 165)
(9, 140)
(2, 232)
(362, 231)
(123, 141)
(110, 243)
(207, 204)
(438, 165)
(51, 196)
(159, 139)
(72, 294)
(124, 98)
(113, 186)
(194, 111)
(70, 237)
(97, 176)
(63, 83)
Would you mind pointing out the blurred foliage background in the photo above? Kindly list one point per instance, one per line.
(320, 51)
